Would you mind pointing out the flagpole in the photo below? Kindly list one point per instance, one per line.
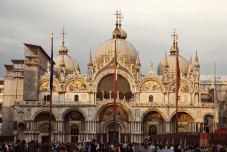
(177, 81)
(115, 86)
(51, 87)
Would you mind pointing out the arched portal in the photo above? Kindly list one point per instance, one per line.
(74, 126)
(113, 135)
(208, 124)
(106, 88)
(105, 124)
(185, 122)
(153, 123)
(41, 121)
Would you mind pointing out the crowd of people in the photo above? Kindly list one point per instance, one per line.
(93, 146)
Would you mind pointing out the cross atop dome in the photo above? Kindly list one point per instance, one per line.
(174, 48)
(63, 33)
(119, 32)
(117, 17)
(63, 49)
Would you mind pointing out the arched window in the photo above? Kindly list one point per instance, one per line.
(76, 98)
(74, 130)
(106, 95)
(151, 98)
(46, 97)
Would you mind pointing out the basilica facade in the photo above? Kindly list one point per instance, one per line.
(82, 104)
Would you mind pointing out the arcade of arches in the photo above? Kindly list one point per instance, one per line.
(73, 126)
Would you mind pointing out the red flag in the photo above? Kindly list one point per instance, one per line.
(51, 64)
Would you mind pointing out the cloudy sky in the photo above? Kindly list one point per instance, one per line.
(201, 25)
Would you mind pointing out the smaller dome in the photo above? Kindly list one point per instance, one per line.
(174, 48)
(116, 33)
(123, 33)
(69, 63)
(63, 49)
(171, 59)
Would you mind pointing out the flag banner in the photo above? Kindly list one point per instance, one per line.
(51, 64)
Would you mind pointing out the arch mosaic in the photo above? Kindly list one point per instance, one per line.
(151, 112)
(76, 85)
(153, 116)
(182, 117)
(150, 86)
(184, 87)
(107, 113)
(45, 86)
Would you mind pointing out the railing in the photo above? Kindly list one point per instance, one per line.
(130, 102)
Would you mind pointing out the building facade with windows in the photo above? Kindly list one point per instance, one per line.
(82, 104)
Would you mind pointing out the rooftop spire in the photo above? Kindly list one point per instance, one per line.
(117, 17)
(138, 60)
(196, 62)
(90, 60)
(117, 32)
(63, 49)
(174, 48)
(63, 35)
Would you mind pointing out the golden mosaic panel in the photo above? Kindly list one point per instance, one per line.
(149, 86)
(45, 86)
(76, 85)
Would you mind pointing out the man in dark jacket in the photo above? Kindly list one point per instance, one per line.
(93, 145)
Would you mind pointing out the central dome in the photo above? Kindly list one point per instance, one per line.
(125, 52)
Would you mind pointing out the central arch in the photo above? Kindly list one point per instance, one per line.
(106, 88)
(114, 132)
(105, 124)
(185, 121)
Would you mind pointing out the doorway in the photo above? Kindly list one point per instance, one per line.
(113, 136)
(45, 139)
